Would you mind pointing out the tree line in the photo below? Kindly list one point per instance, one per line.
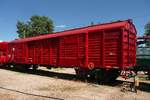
(37, 25)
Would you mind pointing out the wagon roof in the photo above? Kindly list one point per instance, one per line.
(78, 30)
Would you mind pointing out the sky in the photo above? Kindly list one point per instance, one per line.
(68, 14)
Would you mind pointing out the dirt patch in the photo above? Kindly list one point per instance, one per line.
(60, 84)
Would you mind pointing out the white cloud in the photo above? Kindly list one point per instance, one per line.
(61, 26)
(1, 40)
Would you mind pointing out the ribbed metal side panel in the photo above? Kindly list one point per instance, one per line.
(129, 45)
(45, 55)
(19, 53)
(31, 52)
(95, 48)
(81, 50)
(68, 51)
(55, 51)
(112, 47)
(72, 50)
(37, 52)
(62, 51)
(132, 49)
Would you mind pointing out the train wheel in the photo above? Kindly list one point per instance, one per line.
(35, 67)
(81, 73)
(21, 67)
(91, 75)
(8, 66)
(106, 76)
(16, 67)
(99, 76)
(26, 67)
(1, 65)
(111, 75)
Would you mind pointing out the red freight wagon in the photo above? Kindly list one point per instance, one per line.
(100, 49)
(3, 52)
(3, 46)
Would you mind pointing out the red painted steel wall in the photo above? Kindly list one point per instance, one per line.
(3, 52)
(111, 45)
(3, 46)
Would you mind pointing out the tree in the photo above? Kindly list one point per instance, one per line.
(37, 25)
(147, 29)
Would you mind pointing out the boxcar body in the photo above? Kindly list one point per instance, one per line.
(111, 45)
(102, 46)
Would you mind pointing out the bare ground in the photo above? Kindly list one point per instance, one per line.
(61, 84)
